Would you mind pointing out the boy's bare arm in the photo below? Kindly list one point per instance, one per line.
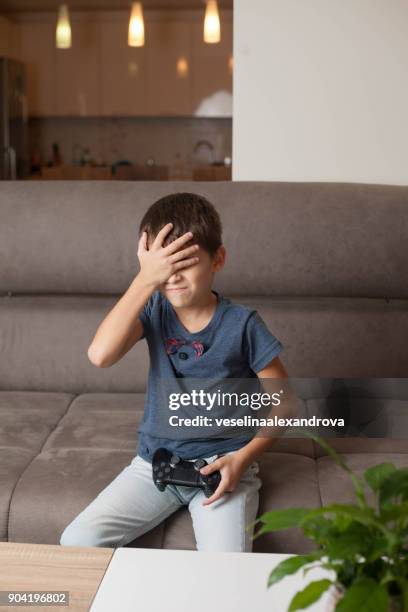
(122, 328)
(273, 376)
(233, 465)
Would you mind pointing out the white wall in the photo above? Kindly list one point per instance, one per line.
(321, 90)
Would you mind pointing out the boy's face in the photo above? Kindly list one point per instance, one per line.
(189, 285)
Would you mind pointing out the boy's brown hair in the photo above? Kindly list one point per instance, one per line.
(188, 212)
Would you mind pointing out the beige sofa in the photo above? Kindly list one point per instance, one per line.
(325, 265)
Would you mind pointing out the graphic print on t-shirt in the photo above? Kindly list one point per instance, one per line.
(180, 352)
(174, 344)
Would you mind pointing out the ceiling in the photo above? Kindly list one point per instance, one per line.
(13, 6)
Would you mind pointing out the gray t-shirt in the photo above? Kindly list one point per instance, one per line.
(235, 344)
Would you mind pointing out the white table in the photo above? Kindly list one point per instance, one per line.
(179, 580)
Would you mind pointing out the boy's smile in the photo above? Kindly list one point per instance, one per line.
(174, 289)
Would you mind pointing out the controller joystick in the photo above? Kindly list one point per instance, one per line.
(174, 460)
(200, 463)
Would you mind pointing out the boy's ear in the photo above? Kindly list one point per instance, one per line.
(219, 258)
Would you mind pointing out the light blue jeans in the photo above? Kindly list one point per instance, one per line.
(131, 505)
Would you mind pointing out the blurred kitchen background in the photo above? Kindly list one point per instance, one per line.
(116, 90)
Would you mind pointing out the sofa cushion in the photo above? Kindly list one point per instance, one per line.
(56, 486)
(13, 462)
(380, 446)
(369, 418)
(111, 420)
(95, 439)
(338, 337)
(100, 421)
(48, 337)
(288, 481)
(27, 418)
(335, 484)
(306, 238)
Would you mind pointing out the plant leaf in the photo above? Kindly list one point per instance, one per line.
(379, 546)
(366, 517)
(352, 542)
(275, 520)
(394, 485)
(319, 565)
(319, 529)
(376, 475)
(365, 595)
(393, 513)
(290, 566)
(309, 595)
(404, 588)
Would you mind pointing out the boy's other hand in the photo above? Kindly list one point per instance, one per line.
(231, 468)
(158, 263)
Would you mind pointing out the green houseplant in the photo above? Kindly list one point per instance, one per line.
(366, 545)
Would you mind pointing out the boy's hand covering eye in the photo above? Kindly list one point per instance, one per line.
(158, 263)
(231, 468)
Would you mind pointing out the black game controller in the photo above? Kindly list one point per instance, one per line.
(171, 469)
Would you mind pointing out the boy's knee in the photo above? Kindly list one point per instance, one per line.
(81, 536)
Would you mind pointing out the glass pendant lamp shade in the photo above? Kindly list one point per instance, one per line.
(136, 36)
(63, 31)
(212, 29)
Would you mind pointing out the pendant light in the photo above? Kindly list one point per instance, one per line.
(136, 26)
(63, 31)
(212, 29)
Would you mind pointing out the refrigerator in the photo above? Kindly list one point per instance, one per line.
(14, 158)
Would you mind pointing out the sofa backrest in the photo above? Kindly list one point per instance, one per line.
(325, 264)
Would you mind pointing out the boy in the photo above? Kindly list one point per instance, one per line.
(192, 331)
